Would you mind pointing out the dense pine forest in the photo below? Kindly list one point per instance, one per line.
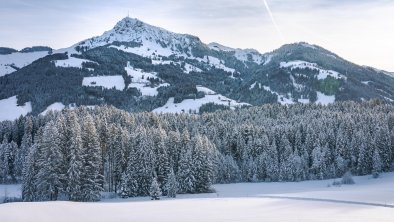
(78, 154)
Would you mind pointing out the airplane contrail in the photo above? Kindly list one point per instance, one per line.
(274, 21)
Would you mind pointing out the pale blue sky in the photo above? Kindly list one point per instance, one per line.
(359, 30)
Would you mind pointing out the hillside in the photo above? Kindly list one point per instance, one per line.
(140, 67)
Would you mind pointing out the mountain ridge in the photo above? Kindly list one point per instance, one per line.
(139, 67)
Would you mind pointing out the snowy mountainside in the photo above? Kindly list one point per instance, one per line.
(148, 40)
(241, 54)
(173, 65)
(12, 60)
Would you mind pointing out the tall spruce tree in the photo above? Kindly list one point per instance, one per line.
(50, 175)
(171, 185)
(91, 178)
(76, 162)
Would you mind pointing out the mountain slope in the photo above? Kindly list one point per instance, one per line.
(140, 67)
(12, 60)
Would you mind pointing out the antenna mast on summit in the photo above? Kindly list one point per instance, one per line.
(128, 14)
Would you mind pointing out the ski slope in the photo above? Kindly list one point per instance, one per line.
(310, 201)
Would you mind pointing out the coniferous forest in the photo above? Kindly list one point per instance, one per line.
(78, 154)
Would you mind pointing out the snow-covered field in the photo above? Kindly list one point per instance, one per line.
(19, 59)
(367, 200)
(71, 62)
(13, 111)
(323, 74)
(54, 107)
(195, 104)
(147, 90)
(138, 75)
(321, 98)
(107, 82)
(281, 99)
(324, 99)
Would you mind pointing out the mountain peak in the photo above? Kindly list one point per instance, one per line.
(127, 23)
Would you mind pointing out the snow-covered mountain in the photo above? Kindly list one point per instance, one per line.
(140, 67)
(154, 42)
(148, 40)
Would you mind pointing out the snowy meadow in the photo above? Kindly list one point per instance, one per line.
(368, 199)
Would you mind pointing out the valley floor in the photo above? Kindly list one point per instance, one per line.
(367, 200)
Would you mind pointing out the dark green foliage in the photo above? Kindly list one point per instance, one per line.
(37, 49)
(329, 86)
(212, 107)
(6, 51)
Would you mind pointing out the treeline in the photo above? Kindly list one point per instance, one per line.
(76, 154)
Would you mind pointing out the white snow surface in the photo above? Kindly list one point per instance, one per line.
(6, 69)
(54, 107)
(281, 98)
(217, 63)
(147, 90)
(195, 104)
(153, 40)
(18, 59)
(140, 81)
(162, 62)
(218, 47)
(138, 75)
(324, 99)
(205, 90)
(369, 200)
(323, 73)
(190, 68)
(107, 82)
(71, 62)
(268, 59)
(252, 86)
(9, 109)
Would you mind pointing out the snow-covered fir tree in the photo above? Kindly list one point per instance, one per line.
(74, 174)
(154, 190)
(50, 173)
(91, 177)
(120, 152)
(171, 185)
